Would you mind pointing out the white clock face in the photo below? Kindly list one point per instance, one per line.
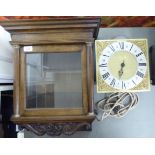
(122, 65)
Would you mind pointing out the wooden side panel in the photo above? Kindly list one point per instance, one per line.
(16, 92)
(90, 74)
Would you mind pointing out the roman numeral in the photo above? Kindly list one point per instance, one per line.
(121, 44)
(131, 47)
(105, 76)
(103, 65)
(142, 64)
(112, 48)
(139, 54)
(113, 82)
(123, 85)
(140, 74)
(105, 55)
(134, 82)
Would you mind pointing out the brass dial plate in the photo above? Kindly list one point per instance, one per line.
(122, 65)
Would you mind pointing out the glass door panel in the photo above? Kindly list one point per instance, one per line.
(53, 80)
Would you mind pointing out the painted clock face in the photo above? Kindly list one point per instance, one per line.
(122, 65)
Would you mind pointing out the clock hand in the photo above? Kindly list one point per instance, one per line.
(122, 65)
(120, 72)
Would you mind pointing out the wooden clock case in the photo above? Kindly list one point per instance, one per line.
(53, 35)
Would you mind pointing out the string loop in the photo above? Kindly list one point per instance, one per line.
(116, 105)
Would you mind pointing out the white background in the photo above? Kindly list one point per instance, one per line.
(80, 8)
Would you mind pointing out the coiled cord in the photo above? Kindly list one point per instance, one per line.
(116, 105)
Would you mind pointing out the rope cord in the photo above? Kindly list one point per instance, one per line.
(116, 105)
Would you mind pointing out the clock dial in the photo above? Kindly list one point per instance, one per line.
(122, 65)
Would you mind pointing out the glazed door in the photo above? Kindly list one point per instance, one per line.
(53, 80)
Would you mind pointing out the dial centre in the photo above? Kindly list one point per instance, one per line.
(122, 65)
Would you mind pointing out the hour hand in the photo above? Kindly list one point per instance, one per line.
(120, 72)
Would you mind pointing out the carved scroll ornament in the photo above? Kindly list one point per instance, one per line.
(56, 129)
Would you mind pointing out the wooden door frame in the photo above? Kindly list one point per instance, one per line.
(56, 111)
